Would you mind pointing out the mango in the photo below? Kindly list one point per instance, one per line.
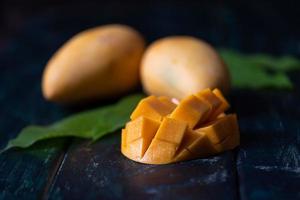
(98, 63)
(178, 66)
(162, 132)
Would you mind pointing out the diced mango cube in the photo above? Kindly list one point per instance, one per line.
(208, 96)
(142, 129)
(222, 108)
(183, 154)
(194, 145)
(152, 108)
(228, 143)
(160, 152)
(221, 128)
(171, 130)
(136, 149)
(191, 110)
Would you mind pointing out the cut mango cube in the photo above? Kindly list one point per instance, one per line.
(171, 130)
(195, 145)
(222, 108)
(152, 108)
(191, 110)
(221, 128)
(160, 152)
(228, 143)
(162, 132)
(141, 131)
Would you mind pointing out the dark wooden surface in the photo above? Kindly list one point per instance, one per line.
(266, 166)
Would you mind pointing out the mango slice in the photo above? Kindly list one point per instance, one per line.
(162, 132)
(191, 110)
(152, 108)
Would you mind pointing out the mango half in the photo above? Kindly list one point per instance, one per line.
(161, 132)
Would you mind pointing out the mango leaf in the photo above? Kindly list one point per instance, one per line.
(259, 71)
(92, 124)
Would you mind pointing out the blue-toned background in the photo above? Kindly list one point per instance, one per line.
(266, 166)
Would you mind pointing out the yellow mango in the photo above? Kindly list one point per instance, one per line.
(98, 63)
(191, 110)
(152, 108)
(140, 132)
(221, 128)
(178, 66)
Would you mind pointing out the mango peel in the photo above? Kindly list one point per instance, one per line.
(161, 132)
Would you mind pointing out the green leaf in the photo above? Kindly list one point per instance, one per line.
(92, 124)
(259, 71)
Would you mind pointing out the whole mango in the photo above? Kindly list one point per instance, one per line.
(98, 63)
(178, 66)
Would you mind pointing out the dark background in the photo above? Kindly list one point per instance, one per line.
(250, 26)
(266, 166)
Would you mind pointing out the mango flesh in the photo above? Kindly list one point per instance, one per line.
(178, 66)
(174, 137)
(98, 63)
(142, 130)
(221, 128)
(153, 108)
(191, 110)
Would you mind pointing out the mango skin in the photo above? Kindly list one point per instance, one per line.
(98, 63)
(178, 66)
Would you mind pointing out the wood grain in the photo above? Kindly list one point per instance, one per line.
(268, 162)
(100, 171)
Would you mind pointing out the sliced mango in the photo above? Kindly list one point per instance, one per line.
(221, 128)
(163, 132)
(152, 108)
(191, 110)
(140, 132)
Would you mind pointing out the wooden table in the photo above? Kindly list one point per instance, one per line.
(266, 166)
